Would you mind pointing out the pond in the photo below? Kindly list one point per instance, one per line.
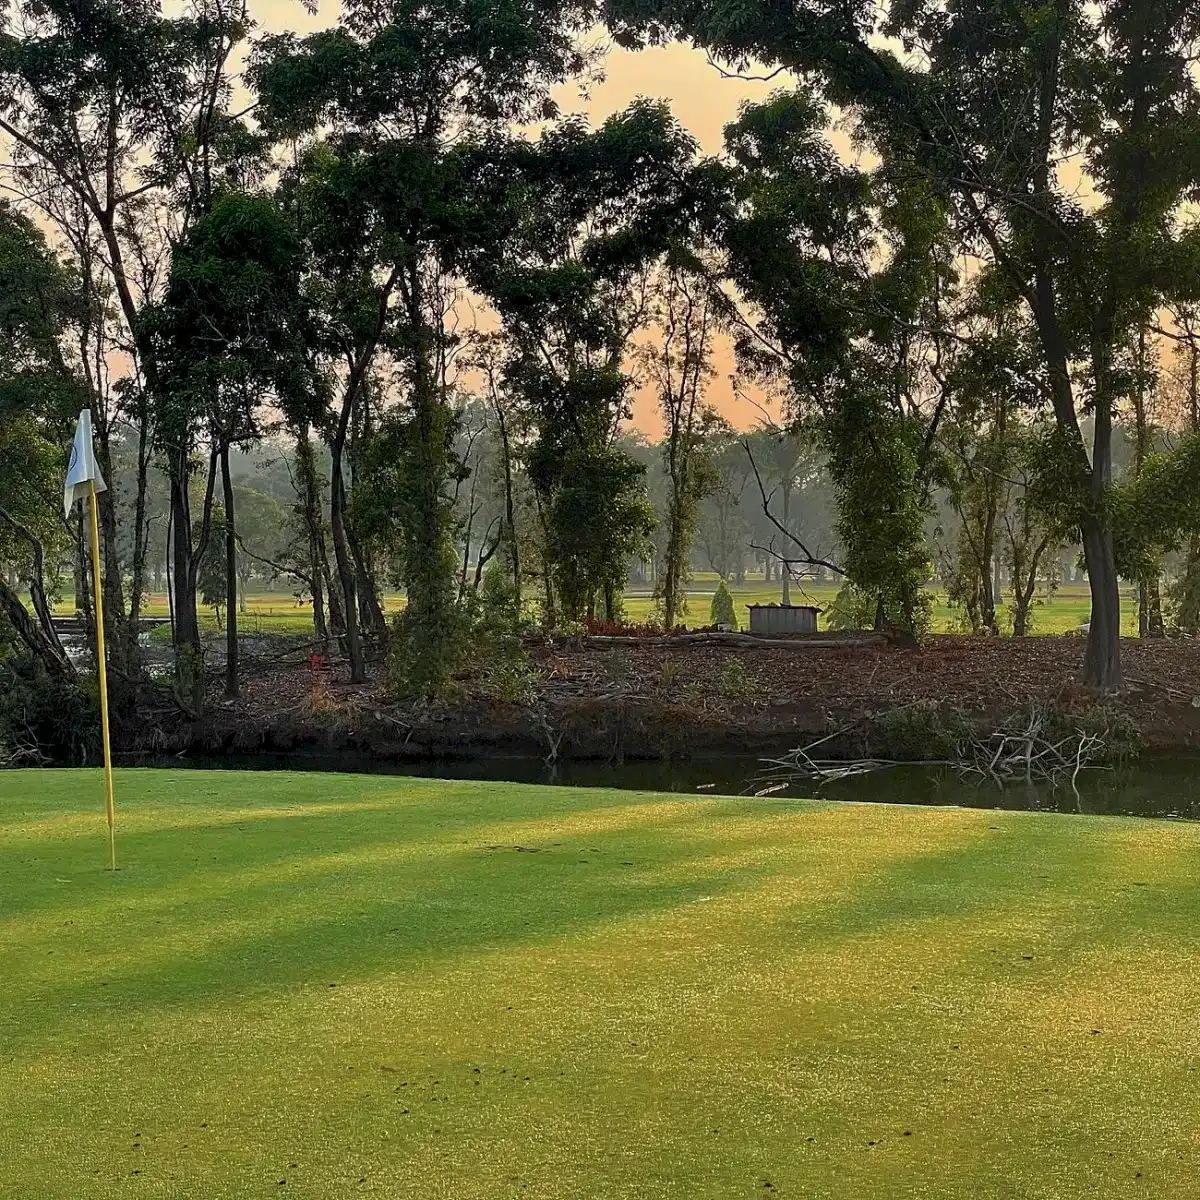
(1157, 786)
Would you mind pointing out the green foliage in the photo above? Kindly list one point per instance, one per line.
(599, 517)
(801, 248)
(1156, 508)
(874, 455)
(401, 504)
(1183, 596)
(1112, 85)
(229, 324)
(852, 608)
(927, 730)
(405, 107)
(42, 715)
(498, 630)
(735, 682)
(39, 396)
(588, 214)
(722, 611)
(210, 577)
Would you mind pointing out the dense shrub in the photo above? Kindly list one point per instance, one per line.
(722, 611)
(42, 717)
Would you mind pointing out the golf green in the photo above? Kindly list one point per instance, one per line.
(323, 985)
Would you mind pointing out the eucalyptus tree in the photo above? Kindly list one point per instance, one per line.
(991, 103)
(120, 121)
(846, 274)
(678, 364)
(381, 109)
(591, 212)
(996, 385)
(1184, 316)
(227, 331)
(39, 398)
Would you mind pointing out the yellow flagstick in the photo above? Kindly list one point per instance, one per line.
(102, 674)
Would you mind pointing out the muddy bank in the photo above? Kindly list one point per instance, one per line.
(620, 702)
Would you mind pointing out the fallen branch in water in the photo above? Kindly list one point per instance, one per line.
(1023, 749)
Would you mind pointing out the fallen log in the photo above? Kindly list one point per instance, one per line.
(745, 641)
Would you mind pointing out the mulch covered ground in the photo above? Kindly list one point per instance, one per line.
(699, 697)
(971, 673)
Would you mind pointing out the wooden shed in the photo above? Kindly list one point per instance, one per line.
(775, 620)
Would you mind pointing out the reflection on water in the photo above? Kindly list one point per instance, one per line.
(1158, 786)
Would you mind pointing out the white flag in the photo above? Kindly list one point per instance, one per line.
(83, 465)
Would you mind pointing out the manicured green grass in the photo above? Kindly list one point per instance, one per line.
(265, 612)
(277, 612)
(1062, 613)
(326, 985)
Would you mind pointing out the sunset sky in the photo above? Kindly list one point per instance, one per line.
(699, 96)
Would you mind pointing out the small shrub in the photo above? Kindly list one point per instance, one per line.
(852, 608)
(669, 673)
(722, 611)
(856, 608)
(617, 669)
(1110, 722)
(736, 683)
(511, 680)
(41, 717)
(926, 730)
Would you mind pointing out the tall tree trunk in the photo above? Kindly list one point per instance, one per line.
(141, 537)
(466, 556)
(189, 652)
(1102, 658)
(231, 579)
(83, 591)
(167, 568)
(37, 592)
(510, 521)
(429, 575)
(314, 524)
(345, 568)
(48, 652)
(187, 553)
(785, 571)
(1150, 622)
(371, 621)
(995, 591)
(1024, 585)
(672, 576)
(1155, 626)
(333, 594)
(370, 610)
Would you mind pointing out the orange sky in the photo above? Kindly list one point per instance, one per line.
(699, 96)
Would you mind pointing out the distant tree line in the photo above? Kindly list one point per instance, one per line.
(434, 322)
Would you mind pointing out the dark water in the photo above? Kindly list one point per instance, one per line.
(1157, 786)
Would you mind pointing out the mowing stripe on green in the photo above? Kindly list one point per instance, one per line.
(325, 985)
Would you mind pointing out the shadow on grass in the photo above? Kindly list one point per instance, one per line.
(1072, 886)
(303, 900)
(246, 904)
